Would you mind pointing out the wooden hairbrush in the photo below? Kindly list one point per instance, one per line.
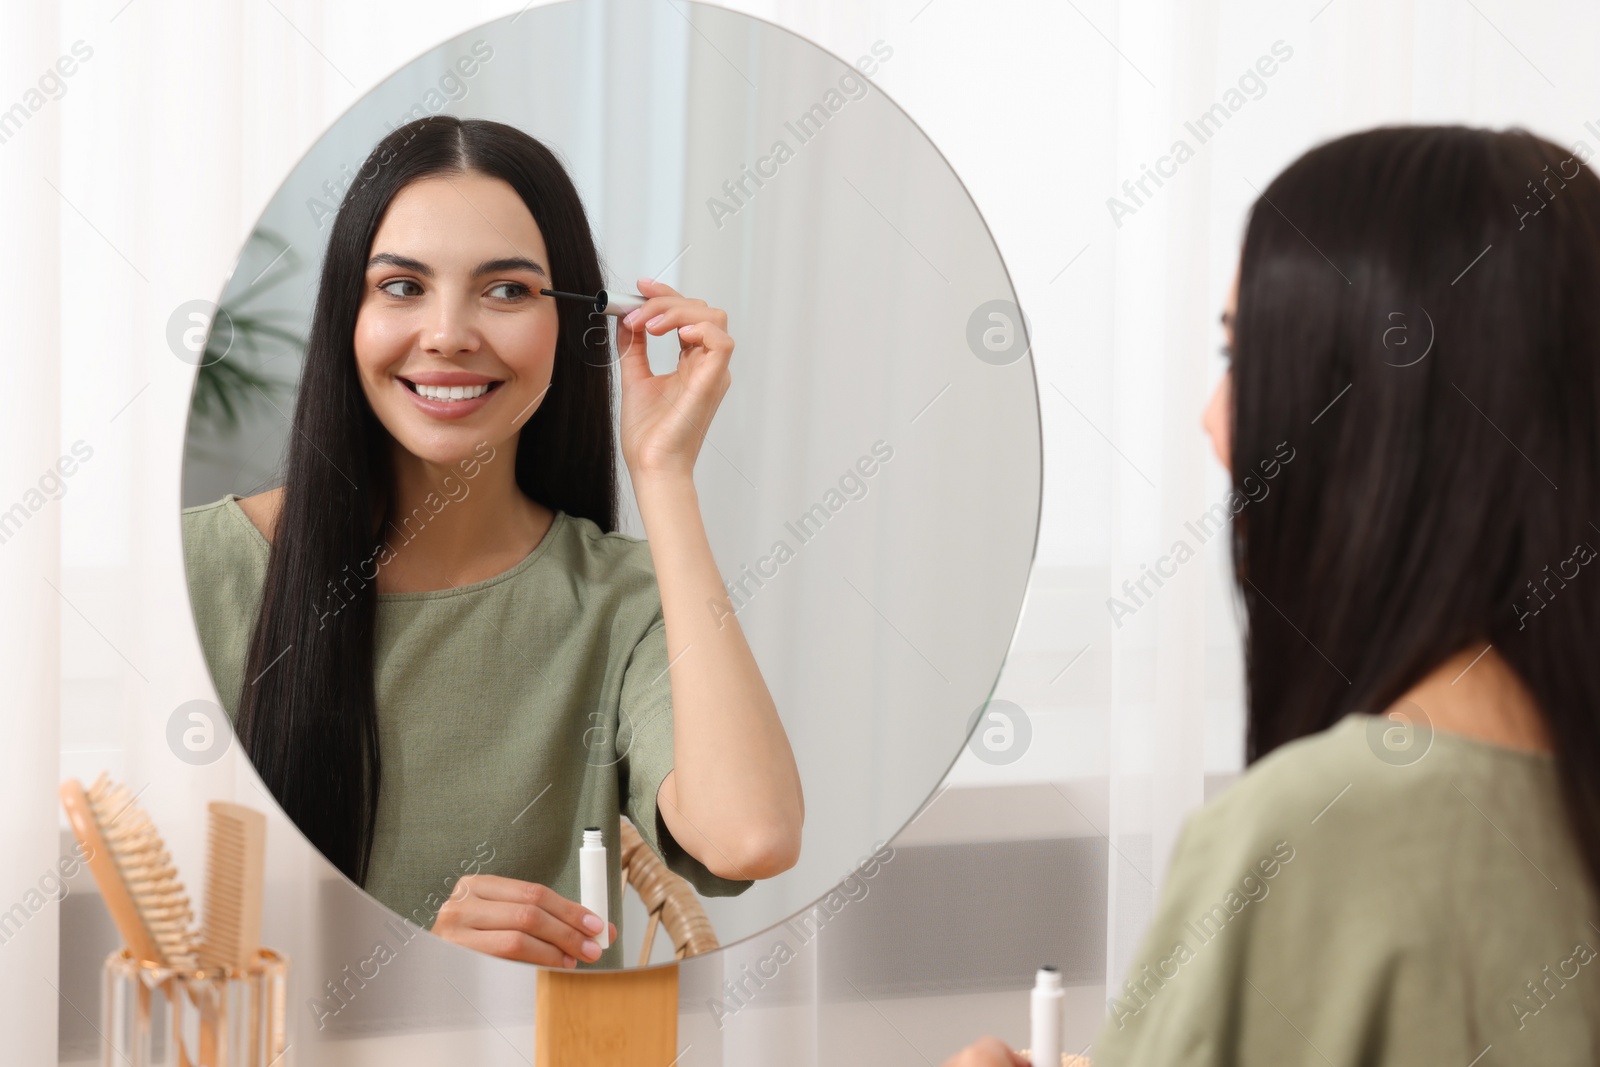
(134, 871)
(139, 885)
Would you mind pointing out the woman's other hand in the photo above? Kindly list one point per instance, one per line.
(665, 416)
(519, 920)
(988, 1052)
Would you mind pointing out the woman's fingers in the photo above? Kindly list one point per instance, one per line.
(666, 309)
(674, 316)
(708, 335)
(531, 919)
(718, 349)
(497, 907)
(658, 296)
(697, 325)
(651, 287)
(513, 945)
(488, 886)
(516, 891)
(988, 1052)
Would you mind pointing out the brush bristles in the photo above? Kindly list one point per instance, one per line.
(147, 868)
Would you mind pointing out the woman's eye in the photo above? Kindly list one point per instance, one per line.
(389, 287)
(512, 290)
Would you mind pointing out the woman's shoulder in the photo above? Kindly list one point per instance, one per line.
(599, 540)
(232, 525)
(1296, 783)
(1370, 830)
(609, 554)
(1376, 803)
(262, 510)
(1364, 769)
(225, 563)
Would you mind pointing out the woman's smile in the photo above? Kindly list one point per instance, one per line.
(449, 394)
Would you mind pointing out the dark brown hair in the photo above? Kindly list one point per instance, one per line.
(307, 715)
(1433, 501)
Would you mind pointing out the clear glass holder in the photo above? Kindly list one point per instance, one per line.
(154, 1016)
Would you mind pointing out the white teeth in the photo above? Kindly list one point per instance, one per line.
(452, 392)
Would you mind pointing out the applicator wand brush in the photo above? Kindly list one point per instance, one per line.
(604, 303)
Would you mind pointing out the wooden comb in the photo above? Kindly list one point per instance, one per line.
(236, 852)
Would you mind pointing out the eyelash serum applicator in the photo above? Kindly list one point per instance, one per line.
(604, 303)
(592, 887)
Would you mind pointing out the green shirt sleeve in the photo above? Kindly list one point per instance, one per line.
(644, 749)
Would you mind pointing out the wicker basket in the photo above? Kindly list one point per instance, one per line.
(670, 901)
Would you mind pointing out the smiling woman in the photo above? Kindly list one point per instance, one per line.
(513, 648)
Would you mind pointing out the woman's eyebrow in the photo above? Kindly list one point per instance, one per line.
(488, 266)
(495, 266)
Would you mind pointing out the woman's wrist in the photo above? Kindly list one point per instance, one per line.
(651, 488)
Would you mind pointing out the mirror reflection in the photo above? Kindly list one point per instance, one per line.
(592, 507)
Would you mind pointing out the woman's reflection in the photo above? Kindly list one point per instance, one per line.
(438, 651)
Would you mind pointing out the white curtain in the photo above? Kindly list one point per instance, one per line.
(129, 193)
(131, 183)
(30, 553)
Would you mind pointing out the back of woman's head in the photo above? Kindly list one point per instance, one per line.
(1418, 317)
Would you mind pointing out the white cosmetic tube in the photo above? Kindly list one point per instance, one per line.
(1048, 1001)
(596, 896)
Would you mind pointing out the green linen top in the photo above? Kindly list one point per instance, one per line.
(1337, 907)
(512, 712)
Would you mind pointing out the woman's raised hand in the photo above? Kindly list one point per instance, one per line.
(519, 920)
(665, 416)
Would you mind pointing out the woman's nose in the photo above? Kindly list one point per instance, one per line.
(452, 329)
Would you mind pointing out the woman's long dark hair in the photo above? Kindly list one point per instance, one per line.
(307, 714)
(1434, 502)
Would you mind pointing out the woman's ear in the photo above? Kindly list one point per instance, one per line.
(1218, 419)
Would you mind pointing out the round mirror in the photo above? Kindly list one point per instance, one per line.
(398, 522)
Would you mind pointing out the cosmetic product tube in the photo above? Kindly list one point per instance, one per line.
(596, 896)
(1048, 1000)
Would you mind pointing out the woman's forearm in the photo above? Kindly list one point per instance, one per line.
(733, 799)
